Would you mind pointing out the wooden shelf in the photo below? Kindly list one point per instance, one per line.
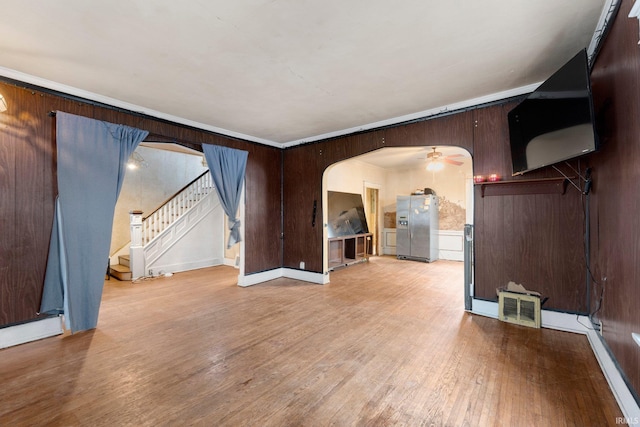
(524, 186)
(345, 250)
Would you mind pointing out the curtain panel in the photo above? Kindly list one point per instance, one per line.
(227, 167)
(92, 157)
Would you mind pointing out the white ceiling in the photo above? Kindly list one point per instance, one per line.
(291, 71)
(412, 157)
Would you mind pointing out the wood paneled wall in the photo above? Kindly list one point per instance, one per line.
(535, 240)
(28, 183)
(615, 213)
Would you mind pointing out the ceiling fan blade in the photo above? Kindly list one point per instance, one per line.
(455, 155)
(453, 162)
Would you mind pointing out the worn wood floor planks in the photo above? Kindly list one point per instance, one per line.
(385, 343)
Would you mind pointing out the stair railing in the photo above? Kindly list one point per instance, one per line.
(175, 206)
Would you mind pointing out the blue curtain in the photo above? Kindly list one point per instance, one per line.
(92, 157)
(227, 168)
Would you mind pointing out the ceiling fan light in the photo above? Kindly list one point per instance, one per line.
(435, 166)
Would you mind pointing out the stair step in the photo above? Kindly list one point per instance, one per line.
(124, 260)
(120, 272)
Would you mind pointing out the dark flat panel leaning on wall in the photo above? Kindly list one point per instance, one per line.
(615, 214)
(28, 183)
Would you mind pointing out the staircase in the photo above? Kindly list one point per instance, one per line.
(154, 224)
(158, 223)
(122, 270)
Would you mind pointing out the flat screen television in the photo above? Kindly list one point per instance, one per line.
(555, 122)
(345, 214)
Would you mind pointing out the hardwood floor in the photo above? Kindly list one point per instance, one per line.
(385, 343)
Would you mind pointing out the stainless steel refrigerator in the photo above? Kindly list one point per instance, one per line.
(417, 227)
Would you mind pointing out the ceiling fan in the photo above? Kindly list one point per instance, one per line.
(437, 156)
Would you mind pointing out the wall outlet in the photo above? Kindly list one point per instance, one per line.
(599, 330)
(301, 265)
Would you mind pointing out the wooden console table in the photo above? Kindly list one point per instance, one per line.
(345, 250)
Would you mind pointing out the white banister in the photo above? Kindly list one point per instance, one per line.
(168, 213)
(145, 230)
(136, 250)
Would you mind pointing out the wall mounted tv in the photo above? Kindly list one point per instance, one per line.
(555, 122)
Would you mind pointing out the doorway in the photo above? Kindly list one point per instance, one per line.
(371, 208)
(382, 175)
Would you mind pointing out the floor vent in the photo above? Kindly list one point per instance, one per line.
(520, 309)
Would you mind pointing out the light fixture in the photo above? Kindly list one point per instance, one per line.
(3, 104)
(434, 164)
(137, 161)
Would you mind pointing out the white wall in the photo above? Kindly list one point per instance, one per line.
(451, 182)
(452, 185)
(351, 175)
(146, 188)
(194, 241)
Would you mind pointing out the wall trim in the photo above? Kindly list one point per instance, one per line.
(582, 325)
(232, 262)
(107, 101)
(30, 331)
(306, 276)
(457, 106)
(63, 89)
(256, 278)
(186, 266)
(276, 273)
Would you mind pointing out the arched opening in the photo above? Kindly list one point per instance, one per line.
(169, 169)
(380, 176)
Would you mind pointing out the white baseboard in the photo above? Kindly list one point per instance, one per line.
(306, 276)
(582, 325)
(485, 308)
(232, 262)
(264, 276)
(30, 331)
(185, 266)
(621, 392)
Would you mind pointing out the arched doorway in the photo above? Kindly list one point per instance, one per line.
(393, 171)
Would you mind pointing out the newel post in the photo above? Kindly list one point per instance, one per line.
(136, 250)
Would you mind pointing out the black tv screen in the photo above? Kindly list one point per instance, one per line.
(556, 122)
